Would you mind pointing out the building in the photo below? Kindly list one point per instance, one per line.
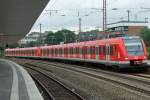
(33, 37)
(89, 35)
(129, 27)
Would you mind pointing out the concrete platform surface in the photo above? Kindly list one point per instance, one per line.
(16, 83)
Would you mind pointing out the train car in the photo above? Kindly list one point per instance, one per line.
(120, 52)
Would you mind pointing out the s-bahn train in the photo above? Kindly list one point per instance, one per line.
(120, 52)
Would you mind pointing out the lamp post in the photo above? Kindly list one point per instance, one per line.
(40, 40)
(128, 11)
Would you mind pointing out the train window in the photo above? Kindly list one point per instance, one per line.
(80, 50)
(29, 52)
(88, 50)
(49, 51)
(71, 50)
(104, 50)
(111, 50)
(100, 50)
(33, 52)
(55, 51)
(134, 47)
(66, 50)
(76, 50)
(61, 51)
(45, 51)
(52, 52)
(92, 50)
(42, 51)
(97, 50)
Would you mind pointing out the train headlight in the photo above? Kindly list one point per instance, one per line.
(145, 57)
(126, 58)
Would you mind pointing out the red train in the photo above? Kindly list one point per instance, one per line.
(121, 52)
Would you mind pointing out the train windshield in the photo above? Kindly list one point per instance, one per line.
(134, 47)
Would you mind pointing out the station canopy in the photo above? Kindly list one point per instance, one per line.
(17, 18)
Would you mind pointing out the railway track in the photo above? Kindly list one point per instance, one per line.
(127, 81)
(131, 82)
(145, 76)
(55, 89)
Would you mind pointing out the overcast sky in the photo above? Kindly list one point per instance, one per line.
(67, 15)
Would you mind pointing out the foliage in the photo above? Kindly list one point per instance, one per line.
(50, 38)
(1, 52)
(145, 34)
(148, 50)
(64, 35)
(59, 35)
(32, 43)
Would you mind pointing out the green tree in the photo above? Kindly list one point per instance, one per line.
(32, 44)
(64, 35)
(68, 36)
(59, 35)
(50, 39)
(145, 34)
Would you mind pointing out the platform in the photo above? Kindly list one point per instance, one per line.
(16, 83)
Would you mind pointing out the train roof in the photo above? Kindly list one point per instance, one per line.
(77, 44)
(131, 37)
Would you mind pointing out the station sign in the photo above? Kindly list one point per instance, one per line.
(119, 28)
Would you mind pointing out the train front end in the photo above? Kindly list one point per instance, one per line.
(136, 52)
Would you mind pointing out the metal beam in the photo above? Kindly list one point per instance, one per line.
(18, 16)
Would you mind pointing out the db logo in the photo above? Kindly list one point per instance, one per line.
(135, 57)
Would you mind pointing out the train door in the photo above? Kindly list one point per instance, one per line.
(113, 52)
(97, 52)
(84, 53)
(92, 52)
(107, 50)
(38, 52)
(118, 55)
(80, 51)
(77, 52)
(66, 52)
